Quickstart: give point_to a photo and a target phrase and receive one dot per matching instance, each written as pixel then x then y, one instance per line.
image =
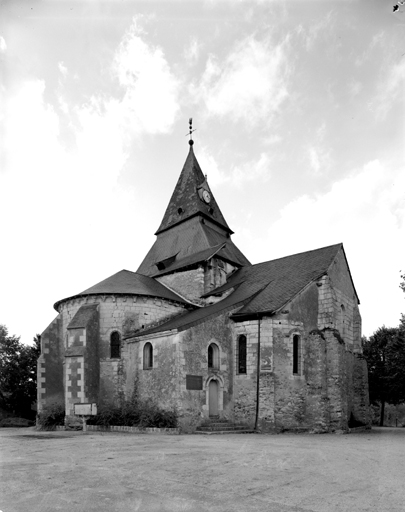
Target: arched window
pixel 242 354
pixel 296 354
pixel 115 345
pixel 213 356
pixel 147 356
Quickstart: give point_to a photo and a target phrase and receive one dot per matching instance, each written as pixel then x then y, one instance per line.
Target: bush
pixel 52 415
pixel 134 414
pixel 15 422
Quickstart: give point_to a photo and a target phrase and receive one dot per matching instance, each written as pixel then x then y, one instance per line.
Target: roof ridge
pixel 340 244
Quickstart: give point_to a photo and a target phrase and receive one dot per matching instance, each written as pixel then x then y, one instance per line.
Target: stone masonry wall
pixel 194 361
pixel 116 313
pixel 50 365
pixel 188 284
pixel 176 356
pixel 245 385
pixel 330 384
pixel 159 383
pixel 341 302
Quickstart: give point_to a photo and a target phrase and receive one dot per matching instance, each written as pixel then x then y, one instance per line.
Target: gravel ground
pixel 50 471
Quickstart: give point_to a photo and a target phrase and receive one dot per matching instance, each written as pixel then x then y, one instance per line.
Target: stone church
pixel 199 329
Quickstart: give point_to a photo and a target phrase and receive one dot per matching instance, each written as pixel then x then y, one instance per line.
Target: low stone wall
pixel 134 430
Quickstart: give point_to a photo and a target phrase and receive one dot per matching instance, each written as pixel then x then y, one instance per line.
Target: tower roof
pixel 188 201
pixel 193 227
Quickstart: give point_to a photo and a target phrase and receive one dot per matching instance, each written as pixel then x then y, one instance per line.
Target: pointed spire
pixel 192 196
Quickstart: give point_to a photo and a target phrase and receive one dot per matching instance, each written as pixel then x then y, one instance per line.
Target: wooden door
pixel 213 398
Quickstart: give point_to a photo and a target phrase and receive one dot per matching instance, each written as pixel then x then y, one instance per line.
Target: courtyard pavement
pixel 114 472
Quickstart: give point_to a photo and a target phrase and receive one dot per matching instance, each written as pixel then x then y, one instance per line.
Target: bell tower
pixel 193 252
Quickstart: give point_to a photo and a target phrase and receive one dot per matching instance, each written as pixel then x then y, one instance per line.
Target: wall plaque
pixel 194 382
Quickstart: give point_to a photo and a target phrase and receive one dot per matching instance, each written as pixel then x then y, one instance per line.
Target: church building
pixel 199 329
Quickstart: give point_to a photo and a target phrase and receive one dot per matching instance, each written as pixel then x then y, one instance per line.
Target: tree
pixel 18 373
pixel 385 355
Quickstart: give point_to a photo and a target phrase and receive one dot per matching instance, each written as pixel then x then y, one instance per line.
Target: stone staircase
pixel 216 425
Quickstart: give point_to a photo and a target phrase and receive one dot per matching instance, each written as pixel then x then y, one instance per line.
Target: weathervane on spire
pixel 190 131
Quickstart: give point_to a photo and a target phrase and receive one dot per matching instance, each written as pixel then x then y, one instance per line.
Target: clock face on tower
pixel 206 196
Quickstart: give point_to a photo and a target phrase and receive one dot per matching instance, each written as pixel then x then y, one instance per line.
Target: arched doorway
pixel 213 398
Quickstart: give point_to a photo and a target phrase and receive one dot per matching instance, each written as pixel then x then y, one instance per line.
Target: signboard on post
pixel 85 410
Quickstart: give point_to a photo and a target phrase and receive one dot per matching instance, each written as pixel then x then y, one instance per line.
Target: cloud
pixel 319 159
pixel 366 212
pixel 377 40
pixel 55 212
pixel 355 87
pixel 319 156
pixel 192 52
pixel 210 167
pixel 391 90
pixel 151 89
pixel 62 69
pixel 257 170
pixel 272 139
pixel 3 45
pixel 315 30
pixel 250 84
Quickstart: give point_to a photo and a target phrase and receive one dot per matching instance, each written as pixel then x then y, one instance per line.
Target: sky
pixel 298 108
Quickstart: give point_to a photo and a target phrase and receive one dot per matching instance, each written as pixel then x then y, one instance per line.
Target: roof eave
pixel 242 317
pixel 198 213
pixel 121 294
pixel 190 266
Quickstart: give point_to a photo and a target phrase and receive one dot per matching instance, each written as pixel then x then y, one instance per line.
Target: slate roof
pixel 187 240
pixel 258 289
pixel 126 282
pixel 190 228
pixel 225 250
pixel 186 197
pixel 285 278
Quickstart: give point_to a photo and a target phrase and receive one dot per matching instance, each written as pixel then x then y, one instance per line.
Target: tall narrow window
pixel 213 356
pixel 242 354
pixel 296 354
pixel 115 345
pixel 342 322
pixel 147 356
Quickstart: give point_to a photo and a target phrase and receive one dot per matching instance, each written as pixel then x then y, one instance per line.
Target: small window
pixel 296 354
pixel 242 354
pixel 342 322
pixel 115 345
pixel 147 356
pixel 213 356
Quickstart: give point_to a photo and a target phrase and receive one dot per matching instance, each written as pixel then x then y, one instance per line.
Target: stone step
pixel 216 432
pixel 216 420
pixel 221 427
pixel 228 424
